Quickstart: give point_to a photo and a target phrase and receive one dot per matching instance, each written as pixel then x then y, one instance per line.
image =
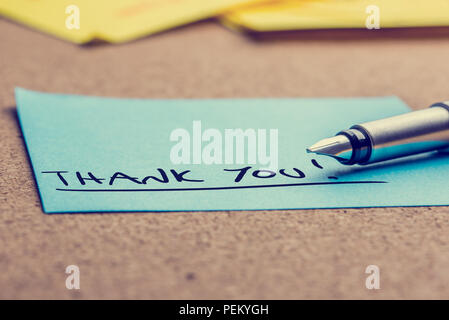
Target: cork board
pixel 291 254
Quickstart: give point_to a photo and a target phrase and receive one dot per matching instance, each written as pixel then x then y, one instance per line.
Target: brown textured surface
pixel 273 254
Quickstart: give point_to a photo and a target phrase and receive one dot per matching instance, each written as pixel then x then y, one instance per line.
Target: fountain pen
pixel 411 133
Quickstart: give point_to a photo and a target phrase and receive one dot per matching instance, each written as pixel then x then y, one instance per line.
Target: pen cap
pixel 407 134
pixel 444 104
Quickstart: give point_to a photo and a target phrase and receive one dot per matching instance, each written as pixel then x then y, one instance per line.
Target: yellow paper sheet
pixel 112 20
pixel 328 14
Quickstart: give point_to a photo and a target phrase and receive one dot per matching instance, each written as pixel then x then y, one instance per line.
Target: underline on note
pixel 225 188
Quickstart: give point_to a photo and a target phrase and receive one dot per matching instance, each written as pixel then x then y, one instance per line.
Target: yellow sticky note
pixel 328 14
pixel 111 20
pixel 130 19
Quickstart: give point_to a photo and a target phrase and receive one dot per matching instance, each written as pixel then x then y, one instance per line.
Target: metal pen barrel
pixel 411 133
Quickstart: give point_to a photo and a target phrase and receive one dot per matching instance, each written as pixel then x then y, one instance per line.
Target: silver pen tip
pixel 338 147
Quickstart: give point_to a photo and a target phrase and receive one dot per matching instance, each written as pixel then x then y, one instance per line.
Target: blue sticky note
pixel 92 154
